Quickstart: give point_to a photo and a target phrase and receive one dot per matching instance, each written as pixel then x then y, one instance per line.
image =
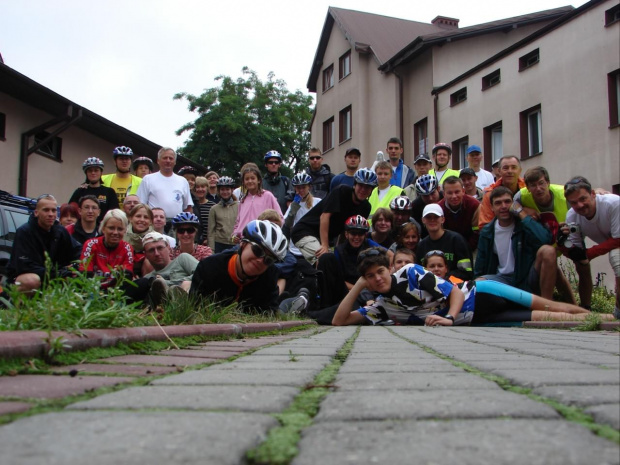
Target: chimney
pixel 445 23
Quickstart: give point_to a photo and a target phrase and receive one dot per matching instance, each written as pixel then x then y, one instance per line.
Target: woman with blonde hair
pixel 140 224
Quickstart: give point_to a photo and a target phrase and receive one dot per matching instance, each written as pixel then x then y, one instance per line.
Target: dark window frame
pixel 328 134
pixel 613 97
pixel 422 124
pixel 491 79
pixel 529 59
pixel 2 126
pixel 328 78
pixel 456 160
pixel 52 150
pixel 458 97
pixel 487 132
pixel 341 62
pixel 524 129
pixel 342 124
pixel 612 16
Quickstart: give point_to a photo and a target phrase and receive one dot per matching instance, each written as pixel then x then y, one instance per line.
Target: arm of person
pixel 324 233
pixel 344 314
pixel 455 302
pixel 603 248
pixel 539 235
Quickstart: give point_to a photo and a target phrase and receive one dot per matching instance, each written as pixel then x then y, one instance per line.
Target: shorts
pixel 532 282
pixel 308 246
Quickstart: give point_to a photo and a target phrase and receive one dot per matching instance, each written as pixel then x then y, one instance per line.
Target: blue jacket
pixel 528 236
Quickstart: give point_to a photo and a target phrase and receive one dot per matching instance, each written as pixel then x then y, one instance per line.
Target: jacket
pixel 321 180
pixel 528 236
pixel 486 212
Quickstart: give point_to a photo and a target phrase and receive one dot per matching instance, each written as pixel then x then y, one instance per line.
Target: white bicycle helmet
pixel 426 184
pixel 122 151
pixel 269 235
pixel 91 162
pixel 301 179
pixel 365 176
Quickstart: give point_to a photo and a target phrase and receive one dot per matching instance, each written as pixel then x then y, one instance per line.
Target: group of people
pixel 386 244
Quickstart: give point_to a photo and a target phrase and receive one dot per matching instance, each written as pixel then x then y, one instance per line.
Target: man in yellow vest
pixel 540 196
pixel 441 158
pixel 123 182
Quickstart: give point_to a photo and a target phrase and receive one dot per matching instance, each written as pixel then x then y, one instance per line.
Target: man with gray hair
pixel 170 278
pixel 165 189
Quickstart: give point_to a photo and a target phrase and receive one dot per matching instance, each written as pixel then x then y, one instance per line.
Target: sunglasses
pixel 368 253
pixel 314 158
pixel 434 253
pixel 273 162
pixel 577 180
pixel 259 252
pixel 186 231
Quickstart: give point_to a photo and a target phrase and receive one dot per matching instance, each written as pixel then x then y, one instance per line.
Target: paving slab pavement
pixel 403 395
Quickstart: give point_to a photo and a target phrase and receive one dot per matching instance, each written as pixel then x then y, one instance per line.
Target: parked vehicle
pixel 14 211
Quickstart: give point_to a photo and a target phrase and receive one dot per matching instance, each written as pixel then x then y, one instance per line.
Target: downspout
pixel 70 119
pixel 401 111
pixel 436 117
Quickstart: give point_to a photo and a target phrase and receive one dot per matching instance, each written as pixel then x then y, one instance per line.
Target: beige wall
pixel 46 176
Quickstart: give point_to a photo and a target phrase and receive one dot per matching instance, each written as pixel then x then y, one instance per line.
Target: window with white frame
pixel 346 125
pixel 493 143
pixel 328 78
pixel 459 152
pixel 531 132
pixel 344 65
pixel 328 134
pixel 420 136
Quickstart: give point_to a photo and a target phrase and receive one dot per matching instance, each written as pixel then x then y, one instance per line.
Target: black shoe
pixel 159 292
pixel 295 305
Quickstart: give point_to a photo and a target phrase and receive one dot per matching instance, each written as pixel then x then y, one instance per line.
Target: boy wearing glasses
pixel 245 274
pixel 596 216
pixel 320 174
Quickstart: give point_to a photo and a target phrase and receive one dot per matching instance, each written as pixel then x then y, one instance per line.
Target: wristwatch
pixel 449 317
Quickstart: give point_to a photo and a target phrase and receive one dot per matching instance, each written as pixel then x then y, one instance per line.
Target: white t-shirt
pixel 485 179
pixel 382 192
pixel 171 193
pixel 303 209
pixel 604 225
pixel 503 248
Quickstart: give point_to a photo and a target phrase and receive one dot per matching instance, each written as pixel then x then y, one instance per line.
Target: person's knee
pixel 28 282
pixel 546 255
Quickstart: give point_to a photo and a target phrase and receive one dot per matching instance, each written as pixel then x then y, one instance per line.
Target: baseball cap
pixel 432 209
pixel 153 236
pixel 422 157
pixel 353 150
pixel 468 171
pixel 495 163
pixel 473 148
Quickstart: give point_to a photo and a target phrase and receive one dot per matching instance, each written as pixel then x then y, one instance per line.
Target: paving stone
pixel 122 369
pixel 9 407
pixel 533 377
pixel 199 353
pixel 540 364
pixel 581 396
pixel 411 381
pixel 265 399
pixel 458 442
pixel 133 438
pixel 245 377
pixel 163 360
pixel 281 359
pixel 269 365
pixel 53 387
pixel 436 366
pixel 448 404
pixel 297 350
pixel 607 414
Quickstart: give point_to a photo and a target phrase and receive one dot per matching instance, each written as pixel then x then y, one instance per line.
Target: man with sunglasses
pixel 320 174
pixel 245 274
pixel 274 182
pixel 597 217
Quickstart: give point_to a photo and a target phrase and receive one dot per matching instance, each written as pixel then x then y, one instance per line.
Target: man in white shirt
pixel 474 160
pixel 596 216
pixel 165 189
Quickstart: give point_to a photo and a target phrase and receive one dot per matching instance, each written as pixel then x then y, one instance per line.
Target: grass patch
pixel 280 447
pixel 570 413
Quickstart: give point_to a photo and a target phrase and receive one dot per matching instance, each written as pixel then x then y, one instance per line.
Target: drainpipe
pixel 70 119
pixel 436 117
pixel 401 118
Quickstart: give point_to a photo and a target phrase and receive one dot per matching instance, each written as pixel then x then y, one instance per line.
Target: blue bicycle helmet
pixel 273 154
pixel 225 181
pixel 187 170
pixel 426 184
pixel 401 203
pixel 301 179
pixel 365 176
pixel 356 222
pixel 185 218
pixel 122 151
pixel 268 235
pixel 91 162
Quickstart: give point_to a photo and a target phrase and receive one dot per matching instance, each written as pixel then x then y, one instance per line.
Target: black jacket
pixel 321 180
pixel 30 244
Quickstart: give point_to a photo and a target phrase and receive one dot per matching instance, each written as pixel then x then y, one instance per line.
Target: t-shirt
pixel 503 248
pixel 303 209
pixel 341 179
pixel 106 196
pixel 171 193
pixel 456 251
pixel 102 261
pixel 485 178
pixel 178 270
pixel 605 224
pixel 339 202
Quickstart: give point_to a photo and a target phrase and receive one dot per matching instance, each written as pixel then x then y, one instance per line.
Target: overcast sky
pixel 126 59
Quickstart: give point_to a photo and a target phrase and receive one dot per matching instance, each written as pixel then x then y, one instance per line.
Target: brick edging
pixel 33 344
pixel 604 326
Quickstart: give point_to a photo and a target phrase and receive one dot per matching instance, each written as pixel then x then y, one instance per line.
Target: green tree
pixel 241 120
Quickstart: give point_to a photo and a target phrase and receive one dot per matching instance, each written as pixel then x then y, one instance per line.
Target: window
pixel 491 80
pixel 493 146
pixel 344 65
pixel 531 132
pixel 459 153
pixel 52 148
pixel 328 78
pixel 345 124
pixel 529 60
pixel 458 97
pixel 613 94
pixel 420 137
pixel 2 126
pixel 328 134
pixel 612 15
pixel 14 219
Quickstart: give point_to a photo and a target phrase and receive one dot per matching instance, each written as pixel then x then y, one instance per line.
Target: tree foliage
pixel 240 120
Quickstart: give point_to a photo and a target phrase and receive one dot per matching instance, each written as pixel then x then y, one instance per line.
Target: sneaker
pixel 176 292
pixel 158 293
pixel 295 305
pixel 617 313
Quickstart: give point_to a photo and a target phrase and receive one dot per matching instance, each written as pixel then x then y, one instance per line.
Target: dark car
pixel 14 211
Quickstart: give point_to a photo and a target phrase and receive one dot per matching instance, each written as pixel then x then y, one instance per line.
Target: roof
pixel 24 89
pixel 421 43
pixel 383 36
